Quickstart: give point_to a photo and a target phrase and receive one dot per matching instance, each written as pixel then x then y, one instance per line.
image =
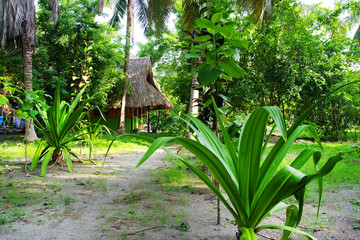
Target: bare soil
pixel 123 203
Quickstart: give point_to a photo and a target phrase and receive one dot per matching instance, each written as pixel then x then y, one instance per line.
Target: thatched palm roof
pixel 144 92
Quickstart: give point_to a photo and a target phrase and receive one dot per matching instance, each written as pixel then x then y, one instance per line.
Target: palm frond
pixel 119 12
pixel 357 37
pixel 17 18
pixel 258 9
pixel 159 12
pixel 141 9
pixel 190 14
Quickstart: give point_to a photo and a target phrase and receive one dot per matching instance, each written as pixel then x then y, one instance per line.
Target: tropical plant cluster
pixel 289 60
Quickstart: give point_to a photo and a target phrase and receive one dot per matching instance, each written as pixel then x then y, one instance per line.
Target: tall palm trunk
pixel 194 96
pixel 194 100
pixel 30 133
pixel 129 23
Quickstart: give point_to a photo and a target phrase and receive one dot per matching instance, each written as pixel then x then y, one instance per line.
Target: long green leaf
pixel 46 161
pixel 283 185
pixel 308 236
pixel 67 159
pixel 292 213
pixel 37 155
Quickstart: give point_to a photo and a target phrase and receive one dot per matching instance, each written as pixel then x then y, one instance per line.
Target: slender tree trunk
pixel 216 126
pixel 126 66
pixel 194 99
pixel 194 96
pixel 30 134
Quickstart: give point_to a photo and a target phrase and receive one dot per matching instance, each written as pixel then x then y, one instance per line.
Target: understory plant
pixel 60 130
pixel 255 184
pixel 92 132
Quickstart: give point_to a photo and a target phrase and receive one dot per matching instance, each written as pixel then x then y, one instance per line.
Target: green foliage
pixel 59 129
pixel 292 61
pixel 77 51
pixel 255 184
pixel 217 44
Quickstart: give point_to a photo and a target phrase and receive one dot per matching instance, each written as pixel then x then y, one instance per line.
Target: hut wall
pixel 112 118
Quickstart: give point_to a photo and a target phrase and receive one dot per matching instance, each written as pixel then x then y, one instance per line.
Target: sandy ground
pixel 123 203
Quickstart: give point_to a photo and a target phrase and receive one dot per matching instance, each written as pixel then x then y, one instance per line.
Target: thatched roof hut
pixel 145 96
pixel 144 92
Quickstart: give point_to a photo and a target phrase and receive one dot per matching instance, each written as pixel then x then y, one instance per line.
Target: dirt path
pixel 123 203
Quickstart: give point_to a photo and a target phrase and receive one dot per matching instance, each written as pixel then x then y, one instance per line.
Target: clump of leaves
pixel 255 185
pixel 59 129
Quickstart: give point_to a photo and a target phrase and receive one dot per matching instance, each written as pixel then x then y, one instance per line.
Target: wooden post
pixel 148 119
pixel 131 119
pixel 158 113
pixel 25 157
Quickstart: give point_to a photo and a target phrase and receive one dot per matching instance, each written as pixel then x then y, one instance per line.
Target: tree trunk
pixel 126 66
pixel 216 127
pixel 194 96
pixel 194 100
pixel 30 134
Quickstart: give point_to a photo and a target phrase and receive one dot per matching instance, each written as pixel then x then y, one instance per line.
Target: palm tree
pixel 151 13
pixel 18 26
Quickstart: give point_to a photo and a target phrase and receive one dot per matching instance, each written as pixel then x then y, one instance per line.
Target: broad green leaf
pixel 208 75
pixel 226 32
pixel 211 31
pixel 231 68
pixel 190 55
pixel 211 58
pixel 204 45
pixel 236 55
pixel 227 52
pixel 33 113
pixel 204 23
pixel 202 38
pixel 240 43
pixel 216 17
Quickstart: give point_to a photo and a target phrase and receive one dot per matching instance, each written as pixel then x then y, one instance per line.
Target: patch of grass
pixel 356 214
pixel 67 199
pixel 355 201
pixel 122 143
pixel 11 149
pixel 98 182
pixel 180 220
pixel 175 176
pixel 16 194
pixel 11 216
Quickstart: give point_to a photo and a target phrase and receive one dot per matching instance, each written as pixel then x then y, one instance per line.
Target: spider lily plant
pixel 59 128
pixel 254 185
